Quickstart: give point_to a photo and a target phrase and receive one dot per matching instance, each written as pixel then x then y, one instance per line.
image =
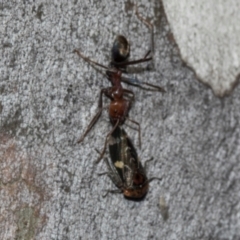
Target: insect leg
pixel 96 117
pixel 89 60
pixel 106 141
pixel 150 26
pixel 137 83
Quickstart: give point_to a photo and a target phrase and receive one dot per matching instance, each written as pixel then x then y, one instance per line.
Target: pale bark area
pixel 49 185
pixel 208 35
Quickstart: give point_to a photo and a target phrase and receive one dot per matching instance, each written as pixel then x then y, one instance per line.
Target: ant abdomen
pixel 120 49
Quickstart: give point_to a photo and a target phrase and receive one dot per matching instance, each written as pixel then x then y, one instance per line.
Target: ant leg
pixel 92 123
pixel 150 26
pixel 95 118
pixel 89 60
pixel 135 82
pixel 106 141
pixel 139 131
pixel 158 88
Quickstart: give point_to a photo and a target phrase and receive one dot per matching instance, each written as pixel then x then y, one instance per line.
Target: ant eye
pixel 120 49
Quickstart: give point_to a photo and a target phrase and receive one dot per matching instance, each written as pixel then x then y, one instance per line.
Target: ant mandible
pixel 121 100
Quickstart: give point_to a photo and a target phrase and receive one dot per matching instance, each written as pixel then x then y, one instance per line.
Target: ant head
pixel 120 49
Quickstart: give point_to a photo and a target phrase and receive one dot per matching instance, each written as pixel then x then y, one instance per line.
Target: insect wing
pixel 128 168
pixel 139 177
pixel 116 150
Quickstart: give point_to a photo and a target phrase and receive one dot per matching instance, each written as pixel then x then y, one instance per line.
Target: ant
pixel 121 98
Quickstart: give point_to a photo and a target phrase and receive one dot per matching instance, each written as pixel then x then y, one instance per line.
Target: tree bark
pixel 49 184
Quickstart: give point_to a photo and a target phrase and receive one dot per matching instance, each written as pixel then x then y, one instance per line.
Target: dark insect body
pixel 121 98
pixel 125 168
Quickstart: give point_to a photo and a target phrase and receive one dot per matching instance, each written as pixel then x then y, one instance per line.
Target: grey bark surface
pixel 208 37
pixel 49 185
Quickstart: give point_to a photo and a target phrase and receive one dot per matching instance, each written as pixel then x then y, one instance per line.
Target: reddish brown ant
pixel 120 97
